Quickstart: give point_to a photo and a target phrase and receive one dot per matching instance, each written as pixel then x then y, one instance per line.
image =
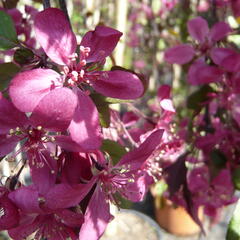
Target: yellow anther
pixel 11 131
pixel 44 138
pixel 41 199
pixel 131 180
pixel 18 129
pixel 39 128
pixel 238 20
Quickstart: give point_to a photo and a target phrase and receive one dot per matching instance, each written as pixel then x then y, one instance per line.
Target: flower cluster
pixel 71 155
pixel 212 131
pixel 50 114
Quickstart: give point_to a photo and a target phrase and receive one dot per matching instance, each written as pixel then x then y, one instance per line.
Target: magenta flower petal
pixel 201 73
pixel 55 110
pixel 27 88
pixel 43 177
pixel 76 168
pixel 219 31
pixel 163 92
pixel 235 7
pixel 223 185
pixel 10 117
pixel 85 128
pixel 198 179
pixel 180 54
pixel 67 143
pixel 9 214
pixel 51 228
pixel 231 63
pixel 198 28
pixel 26 198
pixel 101 42
pixel 7 144
pixel 167 105
pixel 139 155
pixel 96 218
pixel 70 218
pixel 130 118
pixel 16 15
pixel 55 35
pixel 219 54
pixel 67 195
pixel 29 225
pixel 136 190
pixel 119 84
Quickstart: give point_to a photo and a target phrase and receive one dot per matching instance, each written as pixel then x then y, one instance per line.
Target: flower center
pixel 79 72
pixel 34 138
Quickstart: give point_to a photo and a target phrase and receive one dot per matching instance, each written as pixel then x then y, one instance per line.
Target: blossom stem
pixel 140 114
pixel 63 7
pixel 46 4
pixel 214 11
pixel 133 143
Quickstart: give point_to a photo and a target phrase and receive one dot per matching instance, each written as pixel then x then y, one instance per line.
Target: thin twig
pixel 46 4
pixel 214 11
pixel 139 113
pixel 63 7
pixel 124 129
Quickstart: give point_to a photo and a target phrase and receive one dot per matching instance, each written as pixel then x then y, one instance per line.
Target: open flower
pixel 9 215
pixel 200 72
pixel 79 73
pixel 205 38
pixel 48 116
pixel 38 210
pixel 125 178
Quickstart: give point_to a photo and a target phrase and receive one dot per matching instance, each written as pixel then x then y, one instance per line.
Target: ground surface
pixel 127 226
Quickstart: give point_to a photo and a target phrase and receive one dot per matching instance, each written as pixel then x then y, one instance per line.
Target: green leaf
pixel 217 163
pixel 8 35
pixel 23 56
pixel 218 158
pixel 109 100
pixel 7 72
pixel 236 178
pixel 104 115
pixel 114 149
pixel 233 232
pixel 103 109
pixel 102 103
pixel 122 202
pixel 160 187
pixel 195 100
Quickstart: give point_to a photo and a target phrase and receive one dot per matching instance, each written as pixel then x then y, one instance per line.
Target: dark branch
pixel 63 7
pixel 46 4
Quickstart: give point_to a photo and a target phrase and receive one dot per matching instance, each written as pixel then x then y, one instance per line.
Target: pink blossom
pixel 205 37
pixel 38 209
pixel 201 73
pixel 9 215
pixel 61 46
pixel 125 178
pixel 16 126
